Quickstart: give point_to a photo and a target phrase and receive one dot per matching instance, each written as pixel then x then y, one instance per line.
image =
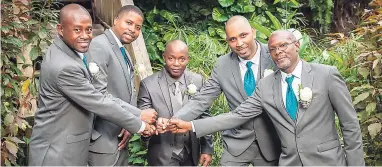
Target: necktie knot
pixel 249 64
pixel 289 80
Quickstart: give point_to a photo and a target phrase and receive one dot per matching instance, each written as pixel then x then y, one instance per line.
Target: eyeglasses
pixel 282 47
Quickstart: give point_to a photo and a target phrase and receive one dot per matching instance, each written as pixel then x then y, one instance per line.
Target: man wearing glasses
pixel 302 100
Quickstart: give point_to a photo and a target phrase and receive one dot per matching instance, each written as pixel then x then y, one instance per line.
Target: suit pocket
pixel 328 145
pixel 95 135
pixel 77 137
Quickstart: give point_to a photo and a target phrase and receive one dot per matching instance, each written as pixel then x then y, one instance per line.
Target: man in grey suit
pixel 301 100
pixel 176 87
pixel 254 141
pixel 115 77
pixel 67 99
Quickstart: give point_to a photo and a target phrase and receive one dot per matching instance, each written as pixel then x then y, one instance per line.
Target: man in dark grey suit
pixel 254 141
pixel 115 77
pixel 166 92
pixel 67 99
pixel 302 100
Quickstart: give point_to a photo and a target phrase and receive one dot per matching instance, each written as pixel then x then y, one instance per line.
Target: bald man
pixel 167 91
pixel 236 75
pixel 67 99
pixel 302 100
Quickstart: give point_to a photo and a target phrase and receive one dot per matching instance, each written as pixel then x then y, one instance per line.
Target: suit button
pixel 184 135
pixel 171 145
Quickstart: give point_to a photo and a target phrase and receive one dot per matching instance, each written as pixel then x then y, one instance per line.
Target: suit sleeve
pixel 206 142
pixel 72 82
pixel 202 100
pixel 341 101
pixel 247 110
pixel 144 102
pixel 97 54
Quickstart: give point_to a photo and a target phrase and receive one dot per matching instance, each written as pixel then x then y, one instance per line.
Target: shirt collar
pixel 80 54
pixel 255 59
pixel 296 72
pixel 116 39
pixel 171 80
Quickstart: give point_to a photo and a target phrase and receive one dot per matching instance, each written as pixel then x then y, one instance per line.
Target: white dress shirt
pixel 296 81
pixel 255 66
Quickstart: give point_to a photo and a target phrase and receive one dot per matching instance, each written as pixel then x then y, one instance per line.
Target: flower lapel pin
pixel 305 96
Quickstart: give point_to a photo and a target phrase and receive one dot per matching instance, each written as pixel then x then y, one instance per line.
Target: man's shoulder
pixel 152 78
pixel 100 39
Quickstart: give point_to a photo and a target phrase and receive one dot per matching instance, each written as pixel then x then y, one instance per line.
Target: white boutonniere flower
pixel 141 68
pixel 267 72
pixel 191 89
pixel 94 69
pixel 305 96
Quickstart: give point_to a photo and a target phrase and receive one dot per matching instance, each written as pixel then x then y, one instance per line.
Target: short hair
pixel 70 7
pixel 130 8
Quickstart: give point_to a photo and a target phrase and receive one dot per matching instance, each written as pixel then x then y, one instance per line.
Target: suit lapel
pixel 119 56
pixel 306 81
pixel 236 74
pixel 277 97
pixel 164 89
pixel 68 51
pixel 265 62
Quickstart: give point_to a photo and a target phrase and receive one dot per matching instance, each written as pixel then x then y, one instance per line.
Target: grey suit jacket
pixel 113 79
pixel 67 99
pixel 313 139
pixel 226 78
pixel 154 93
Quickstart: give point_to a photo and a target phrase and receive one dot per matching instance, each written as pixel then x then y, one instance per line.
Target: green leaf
pixel 261 28
pixel 33 54
pixel 360 98
pixel 364 72
pixel 218 15
pixel 11 147
pixel 42 33
pixel 325 55
pixel 141 152
pixel 276 1
pixel 305 41
pixel 221 33
pixel 30 22
pixel 9 118
pixel 14 41
pixel 135 138
pixel 275 21
pixel 226 3
pixel 14 139
pixel 205 12
pixel 371 107
pixel 249 9
pixel 374 129
pixel 211 31
pixel 160 46
pixel 138 160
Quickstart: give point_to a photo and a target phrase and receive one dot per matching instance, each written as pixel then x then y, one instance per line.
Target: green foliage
pixel 19 32
pixel 322 11
pixel 137 152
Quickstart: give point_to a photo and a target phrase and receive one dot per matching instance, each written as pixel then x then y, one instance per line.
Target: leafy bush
pixel 20 34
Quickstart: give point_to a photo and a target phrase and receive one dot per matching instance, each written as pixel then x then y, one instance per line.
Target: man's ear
pixel 60 29
pixel 115 20
pixel 254 33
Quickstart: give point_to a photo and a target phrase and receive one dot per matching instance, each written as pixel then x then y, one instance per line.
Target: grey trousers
pixel 119 158
pixel 250 156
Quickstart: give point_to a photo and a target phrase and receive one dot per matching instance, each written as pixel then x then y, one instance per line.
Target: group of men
pixel 88 105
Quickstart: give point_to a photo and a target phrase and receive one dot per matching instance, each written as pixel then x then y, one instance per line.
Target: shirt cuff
pixel 143 127
pixel 193 127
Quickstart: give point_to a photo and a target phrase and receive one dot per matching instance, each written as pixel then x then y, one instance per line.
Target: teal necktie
pixel 291 100
pixel 249 80
pixel 85 61
pixel 126 59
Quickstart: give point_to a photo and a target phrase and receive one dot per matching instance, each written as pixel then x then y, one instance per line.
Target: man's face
pixel 240 38
pixel 76 31
pixel 284 52
pixel 127 27
pixel 176 60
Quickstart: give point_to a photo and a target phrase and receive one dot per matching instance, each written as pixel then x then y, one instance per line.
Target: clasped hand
pixel 173 125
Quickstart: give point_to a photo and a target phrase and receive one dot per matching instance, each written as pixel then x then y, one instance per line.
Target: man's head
pixel 241 37
pixel 128 23
pixel 75 27
pixel 283 48
pixel 176 58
